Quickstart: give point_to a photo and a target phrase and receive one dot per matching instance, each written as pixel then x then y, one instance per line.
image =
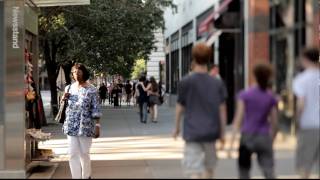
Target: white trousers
pixel 79 160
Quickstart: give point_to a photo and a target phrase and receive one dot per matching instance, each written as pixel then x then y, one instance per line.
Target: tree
pixel 107 36
pixel 139 67
pixel 52 39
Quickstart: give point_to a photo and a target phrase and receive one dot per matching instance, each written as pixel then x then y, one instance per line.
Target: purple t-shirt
pixel 258 105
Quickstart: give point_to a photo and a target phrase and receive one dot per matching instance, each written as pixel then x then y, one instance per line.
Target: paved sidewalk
pixel 129 149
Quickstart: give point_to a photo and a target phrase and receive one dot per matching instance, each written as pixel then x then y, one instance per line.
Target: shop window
pixel 167 73
pixel 229 18
pixel 200 19
pixel 174 62
pixel 174 71
pixel 186 59
pixel 186 44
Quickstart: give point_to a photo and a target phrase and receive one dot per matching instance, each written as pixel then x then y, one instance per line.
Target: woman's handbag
pixel 61 116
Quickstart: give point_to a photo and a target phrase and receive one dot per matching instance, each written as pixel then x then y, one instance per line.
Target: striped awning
pixel 213 37
pixel 48 3
pixel 205 24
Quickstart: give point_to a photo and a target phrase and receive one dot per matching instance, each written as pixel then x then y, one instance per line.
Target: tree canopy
pixel 107 36
pixel 138 68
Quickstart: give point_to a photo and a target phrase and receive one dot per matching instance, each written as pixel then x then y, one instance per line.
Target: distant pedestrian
pixel 103 90
pixel 162 92
pixel 306 87
pixel 153 91
pixel 135 93
pixel 110 88
pixel 128 89
pixel 201 99
pixel 215 72
pixel 82 121
pixel 142 100
pixel 120 91
pixel 256 117
pixel 115 95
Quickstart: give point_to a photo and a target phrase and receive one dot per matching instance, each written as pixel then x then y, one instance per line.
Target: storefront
pixel 21 112
pixel 174 63
pixel 223 30
pixel 243 33
pixel 264 31
pixel 291 30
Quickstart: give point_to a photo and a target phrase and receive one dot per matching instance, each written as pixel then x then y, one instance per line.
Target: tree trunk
pixel 67 70
pixel 51 66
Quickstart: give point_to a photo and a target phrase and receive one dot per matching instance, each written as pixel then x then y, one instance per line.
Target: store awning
pixel 213 37
pixel 48 3
pixel 204 26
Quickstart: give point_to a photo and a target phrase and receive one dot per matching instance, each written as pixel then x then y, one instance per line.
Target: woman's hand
pixel 176 133
pixel 65 96
pixel 97 131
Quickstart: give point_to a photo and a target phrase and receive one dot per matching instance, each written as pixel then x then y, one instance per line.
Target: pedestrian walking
pixel 215 72
pixel 142 100
pixel 256 117
pixel 110 88
pixel 135 93
pixel 82 121
pixel 120 91
pixel 306 87
pixel 162 92
pixel 103 93
pixel 201 99
pixel 153 92
pixel 115 95
pixel 128 89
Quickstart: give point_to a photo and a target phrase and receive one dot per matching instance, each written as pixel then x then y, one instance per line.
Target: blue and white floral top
pixel 83 106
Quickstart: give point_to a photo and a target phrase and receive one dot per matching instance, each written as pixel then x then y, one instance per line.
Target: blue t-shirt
pixel 201 95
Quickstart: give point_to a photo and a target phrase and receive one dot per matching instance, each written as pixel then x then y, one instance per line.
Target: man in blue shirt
pixel 201 99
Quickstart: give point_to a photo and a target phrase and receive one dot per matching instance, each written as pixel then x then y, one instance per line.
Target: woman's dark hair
pixel 142 79
pixel 263 73
pixel 311 54
pixel 79 66
pixel 154 84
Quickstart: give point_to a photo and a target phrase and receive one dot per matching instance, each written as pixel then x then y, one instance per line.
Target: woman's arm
pixel 237 122
pixel 274 122
pixel 96 114
pixel 145 88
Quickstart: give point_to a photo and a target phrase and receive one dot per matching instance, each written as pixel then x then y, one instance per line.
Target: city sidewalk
pixel 129 149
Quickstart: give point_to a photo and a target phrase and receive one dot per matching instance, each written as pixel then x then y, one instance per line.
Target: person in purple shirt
pixel 256 118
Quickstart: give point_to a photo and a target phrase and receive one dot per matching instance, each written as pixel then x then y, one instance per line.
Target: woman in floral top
pixel 82 121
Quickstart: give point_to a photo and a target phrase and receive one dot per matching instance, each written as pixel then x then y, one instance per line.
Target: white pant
pixel 79 161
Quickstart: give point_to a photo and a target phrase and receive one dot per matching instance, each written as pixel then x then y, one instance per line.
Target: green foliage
pixel 107 35
pixel 138 68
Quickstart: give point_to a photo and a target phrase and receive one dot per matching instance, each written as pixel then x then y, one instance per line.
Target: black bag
pixel 161 99
pixel 61 116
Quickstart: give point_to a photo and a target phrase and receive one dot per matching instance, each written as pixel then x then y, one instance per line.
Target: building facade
pixel 191 24
pixel 157 57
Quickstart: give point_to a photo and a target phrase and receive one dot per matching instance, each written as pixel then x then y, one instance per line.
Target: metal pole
pixel 2 75
pixel 246 43
pixel 14 116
